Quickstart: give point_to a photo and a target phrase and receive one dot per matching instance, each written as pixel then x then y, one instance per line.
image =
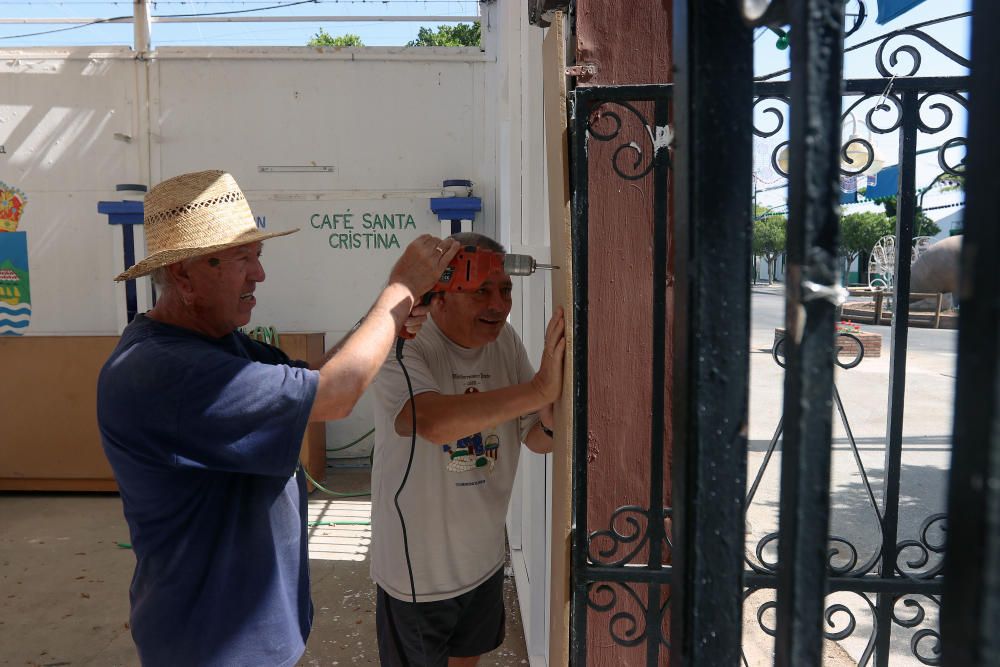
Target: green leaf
pixel 463 34
pixel 323 38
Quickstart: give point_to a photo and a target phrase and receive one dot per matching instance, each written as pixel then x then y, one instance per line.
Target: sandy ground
pixel 64 580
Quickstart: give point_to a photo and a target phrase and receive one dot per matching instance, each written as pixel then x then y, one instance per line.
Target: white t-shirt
pixel 455 500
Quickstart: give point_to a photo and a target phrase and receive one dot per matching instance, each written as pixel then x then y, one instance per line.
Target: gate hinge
pixel 584 69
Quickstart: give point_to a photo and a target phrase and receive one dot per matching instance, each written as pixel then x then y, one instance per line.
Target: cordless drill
pixel 468 270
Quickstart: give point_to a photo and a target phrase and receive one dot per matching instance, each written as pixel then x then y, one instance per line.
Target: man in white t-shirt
pixel 477 399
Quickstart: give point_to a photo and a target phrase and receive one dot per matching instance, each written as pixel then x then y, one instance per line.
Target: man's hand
pixel 548 379
pixel 417 317
pixel 547 416
pixel 422 264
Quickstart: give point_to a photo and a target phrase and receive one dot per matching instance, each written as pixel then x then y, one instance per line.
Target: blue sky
pixel 767 57
pixel 374 33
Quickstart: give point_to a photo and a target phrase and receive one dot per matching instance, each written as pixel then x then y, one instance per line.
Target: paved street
pixel 927 446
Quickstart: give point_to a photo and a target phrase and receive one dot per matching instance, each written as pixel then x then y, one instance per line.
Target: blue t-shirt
pixel 203 435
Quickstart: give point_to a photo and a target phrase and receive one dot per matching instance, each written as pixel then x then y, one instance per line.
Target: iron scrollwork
pixel 631 539
pixel 630 634
pixel 658 138
pixel 888 102
pixel 841 621
pixel 942 103
pixel 626 628
pixel 884 117
pixel 889 58
pixel 920 563
pixel 855 13
pixel 884 64
pixel 925 644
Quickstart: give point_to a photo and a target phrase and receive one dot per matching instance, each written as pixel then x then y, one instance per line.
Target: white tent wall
pixel 523 223
pixel 391 124
pixel 75 124
pixel 66 122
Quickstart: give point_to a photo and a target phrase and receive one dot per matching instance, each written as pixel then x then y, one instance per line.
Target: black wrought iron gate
pixel 684 572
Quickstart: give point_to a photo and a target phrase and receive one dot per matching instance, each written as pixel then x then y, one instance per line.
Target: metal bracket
pixel 584 69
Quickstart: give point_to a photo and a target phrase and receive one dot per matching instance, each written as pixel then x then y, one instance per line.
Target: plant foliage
pixel 323 38
pixel 462 34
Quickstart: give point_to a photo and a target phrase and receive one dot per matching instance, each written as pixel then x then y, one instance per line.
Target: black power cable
pixel 400 342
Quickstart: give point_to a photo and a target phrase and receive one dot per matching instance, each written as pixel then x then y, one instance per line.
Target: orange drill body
pixel 468 270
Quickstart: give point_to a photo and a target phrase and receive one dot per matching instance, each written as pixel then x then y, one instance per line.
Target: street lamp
pixel 857 152
pixel 783 160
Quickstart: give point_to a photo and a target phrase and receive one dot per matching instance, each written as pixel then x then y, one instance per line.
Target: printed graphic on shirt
pixel 479 450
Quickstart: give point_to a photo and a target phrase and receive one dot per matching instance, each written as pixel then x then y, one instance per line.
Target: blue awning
pixel 886 185
pixel 890 9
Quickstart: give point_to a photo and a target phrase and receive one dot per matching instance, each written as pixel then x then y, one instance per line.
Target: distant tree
pixel 923 226
pixel 859 232
pixel 769 237
pixel 323 38
pixel 463 34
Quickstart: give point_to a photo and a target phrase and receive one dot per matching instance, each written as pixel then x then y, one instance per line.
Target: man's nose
pixel 257 271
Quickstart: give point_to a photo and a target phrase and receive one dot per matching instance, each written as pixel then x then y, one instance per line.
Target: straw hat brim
pixel 173 255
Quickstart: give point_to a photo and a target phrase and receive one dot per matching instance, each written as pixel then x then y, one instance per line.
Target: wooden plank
pixel 48 418
pixel 557 163
pixel 309 347
pixel 50 439
pixel 48 484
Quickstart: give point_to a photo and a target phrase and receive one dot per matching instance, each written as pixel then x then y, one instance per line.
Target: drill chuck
pixel 522 265
pixel 518 265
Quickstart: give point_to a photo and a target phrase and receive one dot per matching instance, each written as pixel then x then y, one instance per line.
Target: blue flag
pixel 890 9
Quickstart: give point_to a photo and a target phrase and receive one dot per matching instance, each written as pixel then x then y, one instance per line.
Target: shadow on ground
pixel 65 569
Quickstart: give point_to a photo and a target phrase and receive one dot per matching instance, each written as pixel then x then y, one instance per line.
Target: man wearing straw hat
pixel 203 425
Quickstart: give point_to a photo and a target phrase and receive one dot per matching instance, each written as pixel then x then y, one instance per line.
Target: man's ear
pixel 181 278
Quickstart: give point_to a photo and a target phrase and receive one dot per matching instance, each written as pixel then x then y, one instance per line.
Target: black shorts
pixel 425 634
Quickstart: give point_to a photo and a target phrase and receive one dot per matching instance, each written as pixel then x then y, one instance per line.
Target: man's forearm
pixel 352 365
pixel 447 417
pixel 317 365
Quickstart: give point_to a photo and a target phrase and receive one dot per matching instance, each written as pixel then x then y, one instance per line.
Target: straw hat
pixel 193 215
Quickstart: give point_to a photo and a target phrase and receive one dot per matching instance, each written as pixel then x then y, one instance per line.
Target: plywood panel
pixel 48 416
pixel 49 438
pixel 309 347
pixel 557 161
